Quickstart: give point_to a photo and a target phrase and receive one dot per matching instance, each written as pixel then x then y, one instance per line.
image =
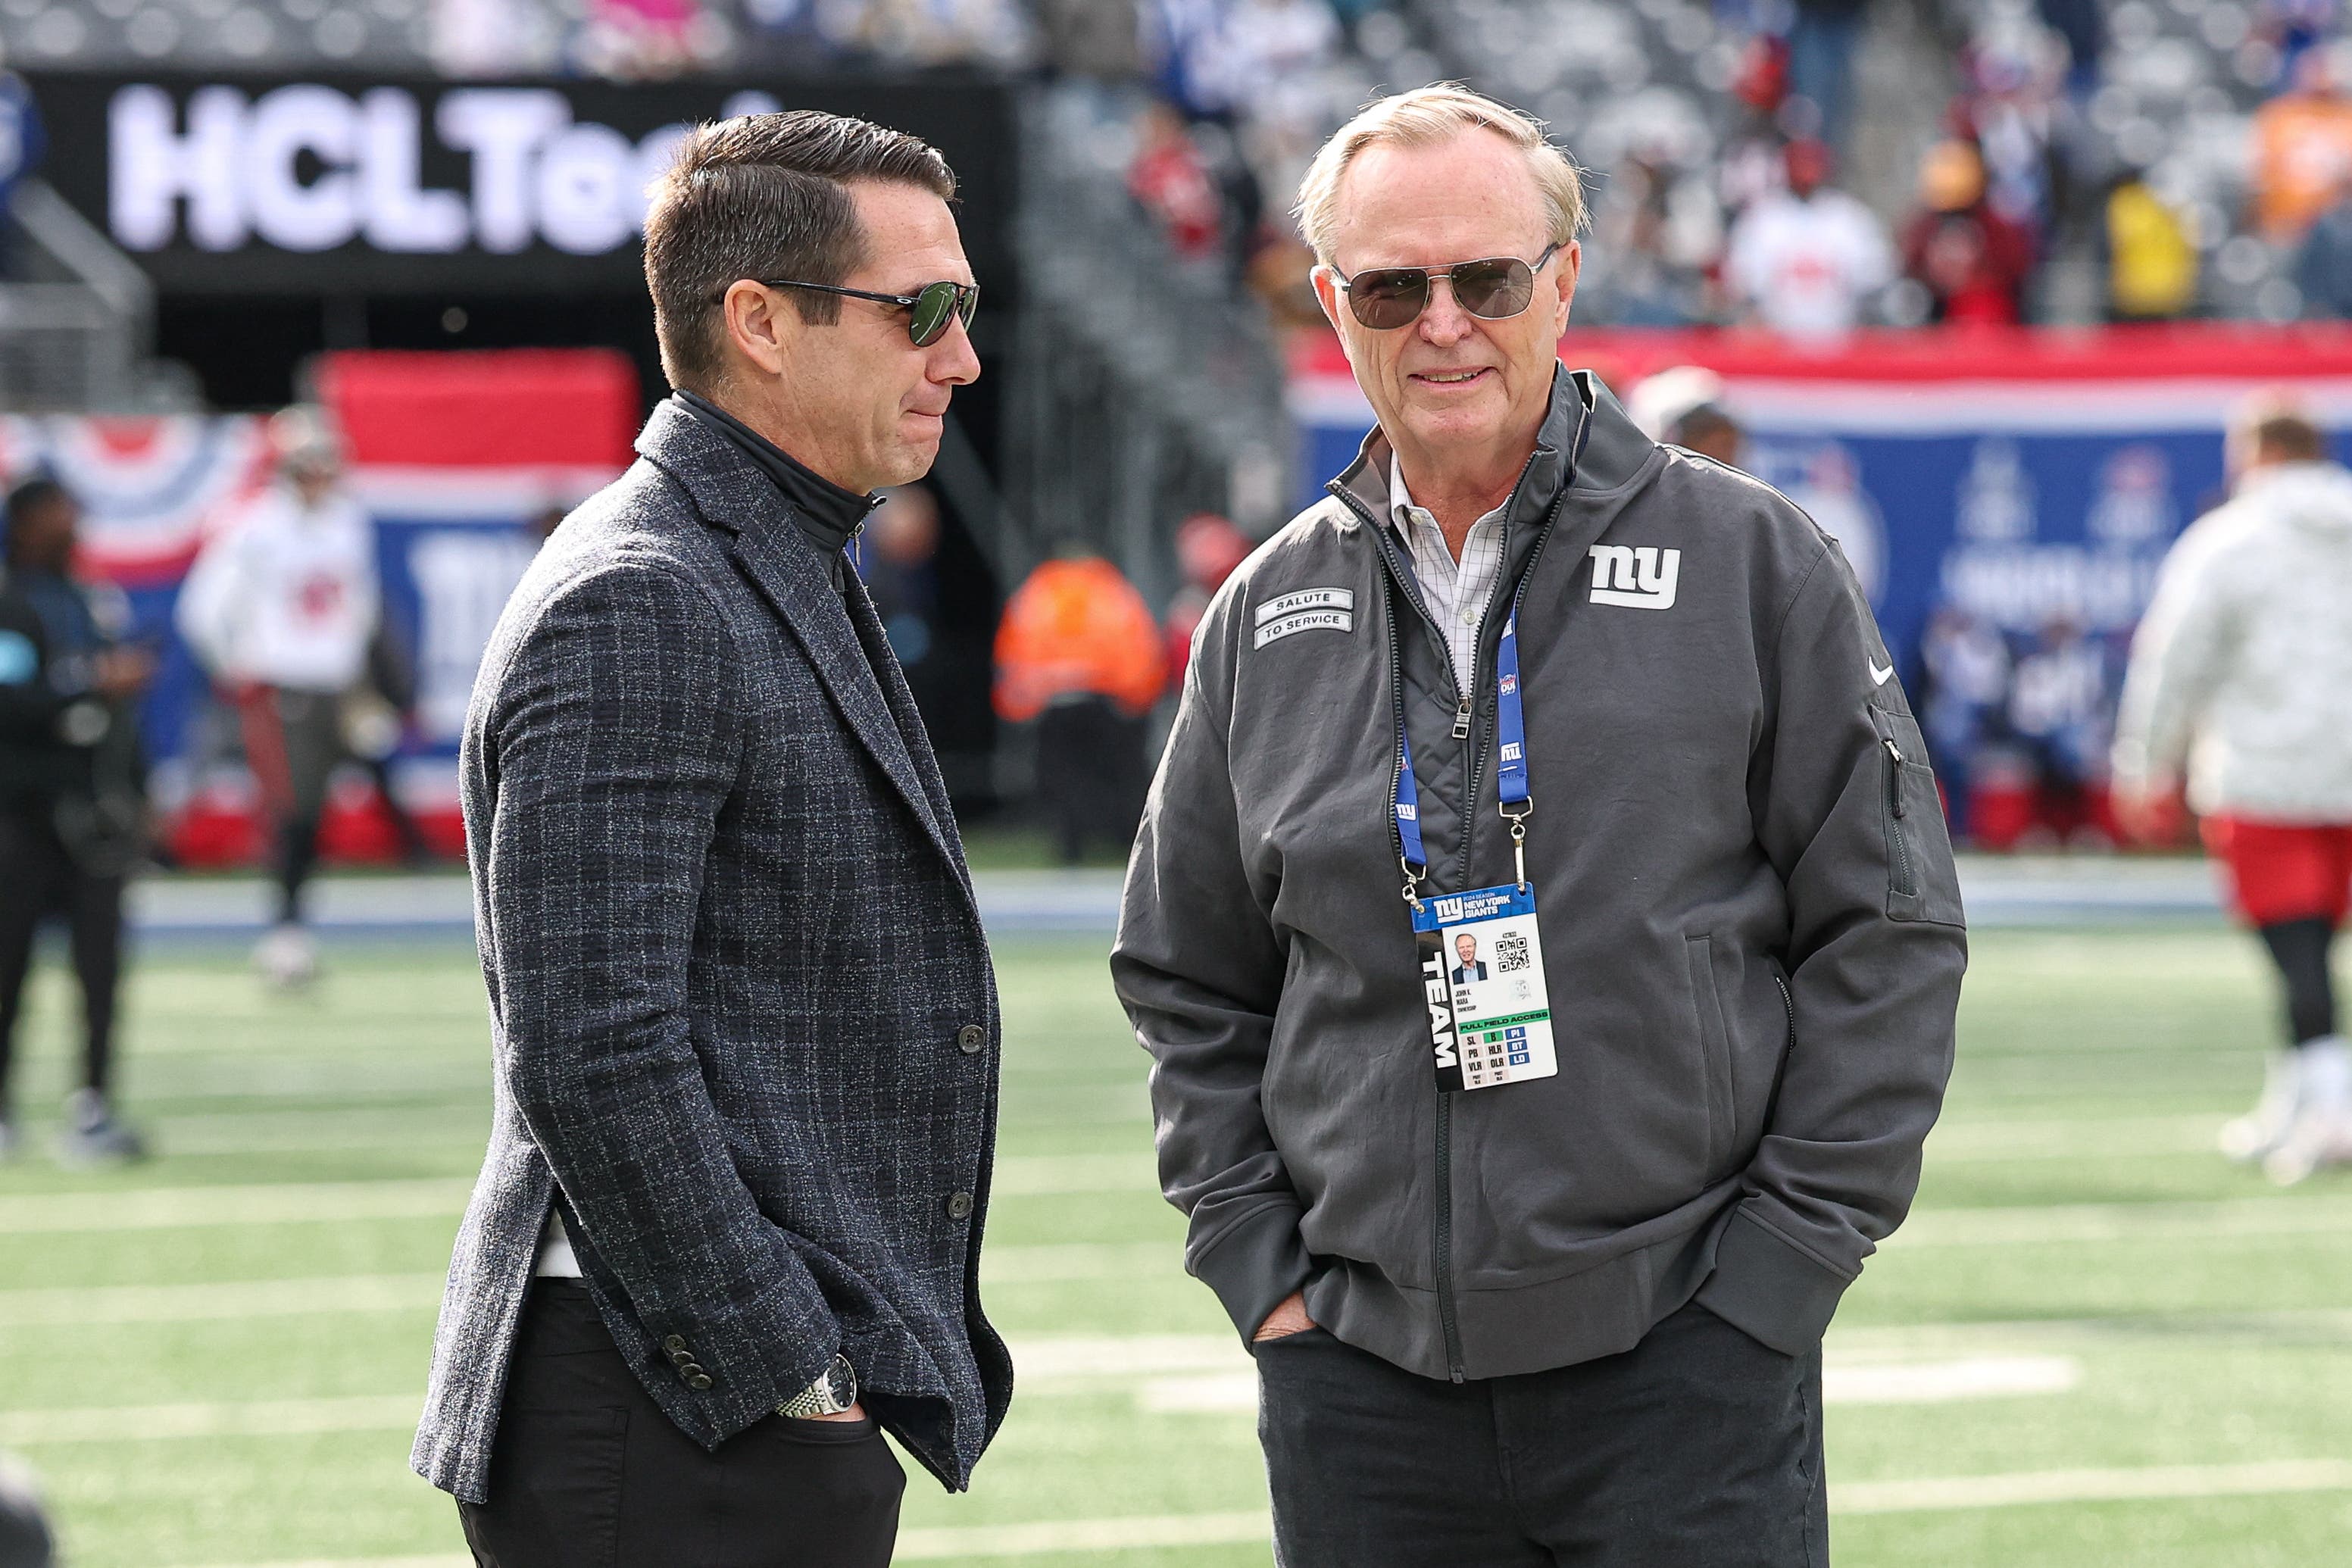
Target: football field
pixel 2095 1343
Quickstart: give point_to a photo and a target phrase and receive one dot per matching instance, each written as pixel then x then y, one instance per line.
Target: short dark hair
pixel 25 498
pixel 2288 435
pixel 764 196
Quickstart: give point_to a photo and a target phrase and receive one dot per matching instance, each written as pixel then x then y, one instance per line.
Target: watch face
pixel 842 1384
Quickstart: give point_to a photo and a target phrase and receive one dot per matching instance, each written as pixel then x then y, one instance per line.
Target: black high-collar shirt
pixel 829 515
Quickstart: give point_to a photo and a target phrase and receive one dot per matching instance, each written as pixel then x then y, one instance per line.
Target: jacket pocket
pixel 1921 884
pixel 1715 1052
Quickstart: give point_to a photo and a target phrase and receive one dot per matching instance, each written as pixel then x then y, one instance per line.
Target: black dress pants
pixel 587 1472
pixel 1698 1448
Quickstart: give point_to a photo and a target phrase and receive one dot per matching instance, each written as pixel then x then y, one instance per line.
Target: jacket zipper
pixel 1904 882
pixel 1788 1005
pixel 1464 716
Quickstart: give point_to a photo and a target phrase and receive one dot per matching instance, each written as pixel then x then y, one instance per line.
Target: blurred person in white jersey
pixel 2240 683
pixel 281 610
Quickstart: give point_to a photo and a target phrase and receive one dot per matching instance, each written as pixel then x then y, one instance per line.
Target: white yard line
pixel 226 1300
pixel 256 1418
pixel 2154 1483
pixel 275 1203
pixel 1971 1142
pixel 1248 1527
pixel 1038 1176
pixel 955 1545
pixel 1069 1261
pixel 2080 1223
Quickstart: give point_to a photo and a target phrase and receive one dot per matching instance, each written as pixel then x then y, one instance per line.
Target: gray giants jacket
pixel 1751 923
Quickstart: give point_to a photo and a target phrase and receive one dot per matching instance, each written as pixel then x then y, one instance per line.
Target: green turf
pixel 2208 1316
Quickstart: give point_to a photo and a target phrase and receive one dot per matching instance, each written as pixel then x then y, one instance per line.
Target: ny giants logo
pixel 1637 577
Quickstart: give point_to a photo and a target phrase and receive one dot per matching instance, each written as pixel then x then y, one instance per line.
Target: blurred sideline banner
pixel 343 182
pixel 2028 477
pixel 454 455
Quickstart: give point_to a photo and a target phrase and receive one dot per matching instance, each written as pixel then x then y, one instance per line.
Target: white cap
pixel 1663 401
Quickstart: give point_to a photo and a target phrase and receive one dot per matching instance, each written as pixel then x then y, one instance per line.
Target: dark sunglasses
pixel 928 309
pixel 1493 290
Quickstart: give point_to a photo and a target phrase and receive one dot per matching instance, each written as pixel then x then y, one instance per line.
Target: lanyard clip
pixel 1518 821
pixel 1411 884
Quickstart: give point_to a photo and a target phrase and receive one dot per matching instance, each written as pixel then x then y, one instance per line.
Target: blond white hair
pixel 1422 118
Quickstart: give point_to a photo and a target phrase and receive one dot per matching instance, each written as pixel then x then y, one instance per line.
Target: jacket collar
pixel 1552 465
pixel 840 629
pixel 828 514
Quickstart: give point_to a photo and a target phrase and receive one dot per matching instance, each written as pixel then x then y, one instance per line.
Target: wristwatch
pixel 834 1391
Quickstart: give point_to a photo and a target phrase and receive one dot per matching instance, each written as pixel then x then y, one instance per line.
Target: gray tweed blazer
pixel 741 1012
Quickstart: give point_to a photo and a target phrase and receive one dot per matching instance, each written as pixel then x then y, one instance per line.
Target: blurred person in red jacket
pixel 1973 261
pixel 1170 180
pixel 1208 549
pixel 1078 654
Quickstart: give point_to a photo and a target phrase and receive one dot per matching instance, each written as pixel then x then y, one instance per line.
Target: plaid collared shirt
pixel 1456 592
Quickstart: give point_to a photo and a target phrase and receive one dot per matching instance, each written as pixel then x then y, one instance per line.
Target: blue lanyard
pixel 1510 782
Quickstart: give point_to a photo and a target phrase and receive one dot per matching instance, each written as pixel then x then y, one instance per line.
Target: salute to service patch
pixel 1307 610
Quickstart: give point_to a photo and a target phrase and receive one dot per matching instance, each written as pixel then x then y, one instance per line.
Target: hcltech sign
pixel 342 185
pixel 308 168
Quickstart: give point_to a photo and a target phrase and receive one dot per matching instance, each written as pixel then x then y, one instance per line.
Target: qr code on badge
pixel 1510 954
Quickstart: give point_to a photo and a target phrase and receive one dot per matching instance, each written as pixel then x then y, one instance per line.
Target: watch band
pixel 834 1391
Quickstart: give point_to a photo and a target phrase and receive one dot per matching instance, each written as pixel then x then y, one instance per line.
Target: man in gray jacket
pixel 1536 1268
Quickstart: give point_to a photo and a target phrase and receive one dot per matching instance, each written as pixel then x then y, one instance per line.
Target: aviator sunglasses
pixel 1493 290
pixel 928 309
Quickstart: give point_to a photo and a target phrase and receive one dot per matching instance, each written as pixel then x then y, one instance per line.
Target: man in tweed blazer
pixel 744 1023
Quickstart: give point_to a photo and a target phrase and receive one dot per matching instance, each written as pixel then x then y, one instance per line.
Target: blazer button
pixel 681 1359
pixel 960 1206
pixel 700 1382
pixel 674 1344
pixel 972 1039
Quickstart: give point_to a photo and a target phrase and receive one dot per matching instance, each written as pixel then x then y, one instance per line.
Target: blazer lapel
pixel 908 718
pixel 788 572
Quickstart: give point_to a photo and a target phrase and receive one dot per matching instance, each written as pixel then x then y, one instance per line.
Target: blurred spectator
pixel 1656 232
pixel 1279 270
pixel 1170 182
pixel 2152 261
pixel 1685 406
pixel 1972 262
pixel 1963 699
pixel 22 142
pixel 2242 678
pixel 72 796
pixel 1808 260
pixel 2058 710
pixel 549 519
pixel 2010 112
pixel 2083 25
pixel 1078 654
pixel 2293 28
pixel 1208 549
pixel 280 609
pixel 376 721
pixel 2303 149
pixel 24 1538
pixel 1097 39
pixel 2323 268
pixel 488 37
pixel 898 555
pixel 642 40
pixel 1821 63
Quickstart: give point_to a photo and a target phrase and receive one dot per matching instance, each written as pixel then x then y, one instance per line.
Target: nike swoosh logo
pixel 1880 677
